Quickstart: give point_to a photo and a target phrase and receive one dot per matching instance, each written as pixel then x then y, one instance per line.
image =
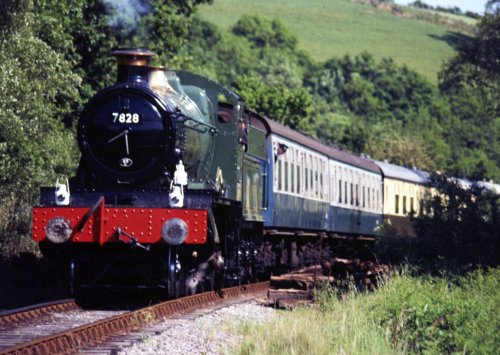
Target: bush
pixel 438 315
pixel 462 226
pixel 460 233
pixel 405 315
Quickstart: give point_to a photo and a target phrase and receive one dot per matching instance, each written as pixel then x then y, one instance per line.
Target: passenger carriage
pixel 405 190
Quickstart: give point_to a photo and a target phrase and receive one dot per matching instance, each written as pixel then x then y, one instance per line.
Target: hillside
pixel 338 27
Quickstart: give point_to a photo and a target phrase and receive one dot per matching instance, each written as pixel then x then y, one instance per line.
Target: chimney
pixel 133 65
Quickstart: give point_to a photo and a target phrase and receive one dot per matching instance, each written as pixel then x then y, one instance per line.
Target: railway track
pixel 25 314
pixel 28 324
pixel 69 329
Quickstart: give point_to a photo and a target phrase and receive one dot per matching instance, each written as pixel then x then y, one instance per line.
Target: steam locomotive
pixel 161 194
pixel 181 188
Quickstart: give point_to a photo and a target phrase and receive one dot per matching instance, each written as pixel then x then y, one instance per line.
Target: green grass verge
pixel 406 315
pixel 334 28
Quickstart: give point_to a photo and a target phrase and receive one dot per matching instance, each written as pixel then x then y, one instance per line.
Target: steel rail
pixel 74 340
pixel 18 315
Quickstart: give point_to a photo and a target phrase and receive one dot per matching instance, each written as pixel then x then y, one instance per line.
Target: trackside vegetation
pixel 407 314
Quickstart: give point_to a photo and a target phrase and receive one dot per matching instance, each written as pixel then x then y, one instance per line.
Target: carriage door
pixel 255 176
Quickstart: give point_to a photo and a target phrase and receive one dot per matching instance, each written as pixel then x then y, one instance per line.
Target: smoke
pixel 125 14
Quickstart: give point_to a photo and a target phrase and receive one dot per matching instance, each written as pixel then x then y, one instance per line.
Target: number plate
pixel 126 118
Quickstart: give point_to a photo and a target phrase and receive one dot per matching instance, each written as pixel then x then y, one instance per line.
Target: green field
pixel 337 27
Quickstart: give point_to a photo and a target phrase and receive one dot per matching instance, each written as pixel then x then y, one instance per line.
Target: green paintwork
pixel 197 140
pixel 226 156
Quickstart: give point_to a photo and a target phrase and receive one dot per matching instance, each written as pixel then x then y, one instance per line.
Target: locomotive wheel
pixel 173 286
pixel 72 278
pixel 173 274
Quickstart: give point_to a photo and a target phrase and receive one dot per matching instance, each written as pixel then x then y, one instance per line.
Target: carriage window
pixel 316 184
pixel 321 185
pixel 397 204
pixel 298 179
pixel 352 193
pixel 306 184
pixel 364 196
pixel 357 195
pixel 404 204
pixel 311 183
pixel 340 191
pixel 332 186
pixel 368 197
pixel 345 192
pixel 293 177
pixel 286 176
pixel 412 207
pixel 280 174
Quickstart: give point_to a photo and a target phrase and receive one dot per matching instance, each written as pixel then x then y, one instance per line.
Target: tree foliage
pixel 39 89
pixel 261 33
pixel 260 59
pixel 463 224
pixel 471 82
pixel 458 233
pixel 86 31
pixel 393 112
pixel 287 106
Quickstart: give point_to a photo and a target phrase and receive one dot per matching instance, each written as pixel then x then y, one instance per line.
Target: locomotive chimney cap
pixel 158 67
pixel 139 57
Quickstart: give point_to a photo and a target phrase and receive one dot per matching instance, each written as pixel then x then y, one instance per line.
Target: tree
pixel 291 108
pixel 458 233
pixel 264 33
pixel 471 82
pixel 86 31
pixel 463 225
pixel 346 131
pixel 492 6
pixel 476 63
pixel 392 111
pixel 38 87
pixel 166 27
pixel 260 60
pixel 80 31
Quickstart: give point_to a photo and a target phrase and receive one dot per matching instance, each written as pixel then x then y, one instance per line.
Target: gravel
pixel 212 333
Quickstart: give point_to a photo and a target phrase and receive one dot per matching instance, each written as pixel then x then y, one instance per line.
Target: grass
pixel 468 20
pixel 337 27
pixel 406 315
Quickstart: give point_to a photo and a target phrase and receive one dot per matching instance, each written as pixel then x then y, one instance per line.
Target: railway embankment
pixel 406 314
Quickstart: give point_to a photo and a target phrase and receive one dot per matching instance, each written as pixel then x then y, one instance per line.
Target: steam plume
pixel 125 14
